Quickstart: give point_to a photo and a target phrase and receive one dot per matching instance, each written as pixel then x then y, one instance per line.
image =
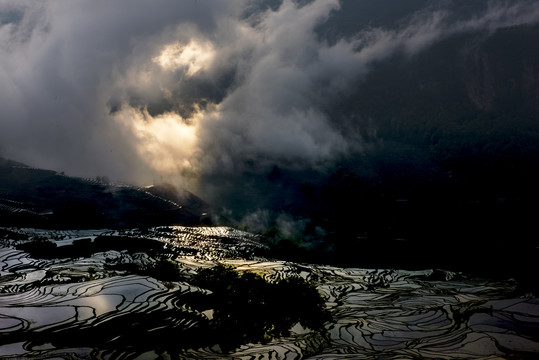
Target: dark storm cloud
pixel 276 113
pixel 130 89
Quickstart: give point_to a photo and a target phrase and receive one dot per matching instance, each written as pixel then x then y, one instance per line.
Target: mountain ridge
pixel 33 197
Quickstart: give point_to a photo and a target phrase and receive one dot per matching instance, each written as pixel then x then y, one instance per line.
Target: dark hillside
pixel 449 173
pixel 44 198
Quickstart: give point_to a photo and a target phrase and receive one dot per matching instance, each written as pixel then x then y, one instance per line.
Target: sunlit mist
pixel 193 56
pixel 165 142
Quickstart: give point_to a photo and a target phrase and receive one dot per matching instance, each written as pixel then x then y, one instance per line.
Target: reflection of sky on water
pixel 38 317
pixel 50 313
pixel 15 348
pixel 101 304
pixel 113 294
pixel 8 324
pixel 137 289
pixel 50 306
pixel 395 312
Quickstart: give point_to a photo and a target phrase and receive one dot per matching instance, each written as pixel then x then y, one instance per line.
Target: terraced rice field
pixel 84 308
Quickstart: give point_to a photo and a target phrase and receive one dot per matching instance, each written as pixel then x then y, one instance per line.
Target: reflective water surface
pixel 90 307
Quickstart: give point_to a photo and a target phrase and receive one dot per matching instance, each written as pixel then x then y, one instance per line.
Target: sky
pixel 184 90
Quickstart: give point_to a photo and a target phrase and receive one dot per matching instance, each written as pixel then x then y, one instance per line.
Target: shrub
pixel 39 248
pixel 247 308
pixel 165 270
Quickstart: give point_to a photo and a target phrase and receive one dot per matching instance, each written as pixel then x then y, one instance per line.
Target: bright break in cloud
pixel 137 90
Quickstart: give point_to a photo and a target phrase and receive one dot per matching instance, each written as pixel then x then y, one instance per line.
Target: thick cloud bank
pixel 136 90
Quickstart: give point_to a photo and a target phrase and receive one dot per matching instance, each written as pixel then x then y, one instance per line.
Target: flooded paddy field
pixel 101 302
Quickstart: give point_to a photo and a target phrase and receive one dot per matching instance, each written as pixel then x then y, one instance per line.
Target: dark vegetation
pixel 367 225
pixel 248 308
pixel 163 269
